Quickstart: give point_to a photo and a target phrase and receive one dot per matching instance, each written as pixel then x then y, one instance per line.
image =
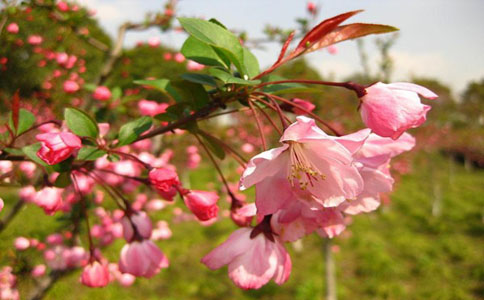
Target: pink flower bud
pixel 142 224
pixel 50 199
pixel 142 259
pixel 167 56
pixel 311 7
pixel 27 193
pixel 35 40
pixel 70 86
pixel 151 108
pixel 55 239
pixel 61 58
pixel 1 204
pixel 56 147
pixel 304 104
pixel 62 6
pixel 21 243
pixel 194 66
pixel 165 181
pixel 179 58
pixel 95 274
pixel 12 28
pixel 38 270
pixel 390 109
pixel 154 42
pixel 102 93
pixel 202 204
pixel 28 168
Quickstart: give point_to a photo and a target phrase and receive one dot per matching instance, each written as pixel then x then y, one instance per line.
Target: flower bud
pixel 95 274
pixel 202 204
pixel 165 181
pixel 56 147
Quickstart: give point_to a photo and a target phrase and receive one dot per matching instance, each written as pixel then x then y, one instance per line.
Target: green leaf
pixel 217 36
pixel 213 145
pixel 251 64
pixel 199 78
pixel 90 153
pixel 227 78
pixel 80 123
pixel 63 180
pixel 13 151
pixel 89 87
pixel 31 152
pixel 162 85
pixel 64 166
pixel 25 120
pixel 192 93
pixel 117 93
pixel 114 158
pixel 286 88
pixel 202 53
pixel 131 131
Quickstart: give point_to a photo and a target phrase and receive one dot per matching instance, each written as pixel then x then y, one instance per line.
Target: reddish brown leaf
pixel 284 47
pixel 321 30
pixel 350 31
pixel 15 109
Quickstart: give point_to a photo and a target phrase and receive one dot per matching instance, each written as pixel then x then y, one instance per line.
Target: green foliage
pixel 80 123
pixel 25 120
pixel 129 132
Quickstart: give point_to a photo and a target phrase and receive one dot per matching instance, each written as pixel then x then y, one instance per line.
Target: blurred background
pixel 427 239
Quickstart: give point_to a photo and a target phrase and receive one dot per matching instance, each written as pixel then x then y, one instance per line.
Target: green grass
pixel 401 251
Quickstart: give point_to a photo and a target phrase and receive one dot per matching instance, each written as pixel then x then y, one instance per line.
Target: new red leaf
pixel 321 30
pixel 350 31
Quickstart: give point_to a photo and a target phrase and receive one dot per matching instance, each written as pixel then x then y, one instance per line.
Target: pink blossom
pixel 161 232
pixel 247 148
pixel 27 193
pixel 62 6
pixel 102 93
pixel 310 166
pixel 167 56
pixel 5 166
pixel 35 40
pixel 56 147
pixel 154 42
pixel 194 66
pixel 55 239
pixel 138 225
pixel 303 103
pixel 28 168
pixel 142 258
pixel 252 262
pixel 70 86
pixel 165 181
pixel 391 109
pixel 12 28
pixel 151 108
pixel 179 58
pixel 22 243
pixel 1 204
pixel 49 199
pixel 61 58
pixel 95 274
pixel 203 204
pixel 38 270
pixel 311 7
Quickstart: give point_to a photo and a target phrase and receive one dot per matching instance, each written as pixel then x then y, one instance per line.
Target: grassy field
pixel 402 251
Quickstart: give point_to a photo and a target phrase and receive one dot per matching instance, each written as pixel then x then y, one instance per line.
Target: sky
pixel 442 39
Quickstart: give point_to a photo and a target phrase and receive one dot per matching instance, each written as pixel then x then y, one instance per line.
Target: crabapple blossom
pixel 56 147
pixel 202 204
pixel 165 181
pixel 70 86
pixel 1 204
pixel 252 262
pixel 151 108
pixel 102 93
pixel 142 259
pixel 49 199
pixel 35 40
pixel 12 28
pixel 22 243
pixel 303 103
pixel 310 166
pixel 136 225
pixel 390 109
pixel 95 274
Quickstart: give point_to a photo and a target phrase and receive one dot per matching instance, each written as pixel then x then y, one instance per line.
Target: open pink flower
pixel 142 258
pixel 151 108
pixel 95 274
pixel 49 199
pixel 372 160
pixel 310 166
pixel 252 262
pixel 202 204
pixel 57 146
pixel 12 28
pixel 390 109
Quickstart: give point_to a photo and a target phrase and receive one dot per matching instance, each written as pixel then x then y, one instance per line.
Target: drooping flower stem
pixel 259 125
pixel 336 132
pixel 267 116
pixel 357 88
